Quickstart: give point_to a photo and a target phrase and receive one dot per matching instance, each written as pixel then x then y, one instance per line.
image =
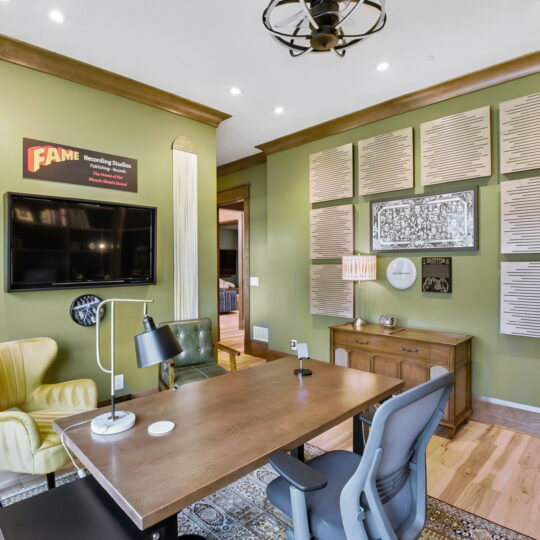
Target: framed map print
pixel 437 221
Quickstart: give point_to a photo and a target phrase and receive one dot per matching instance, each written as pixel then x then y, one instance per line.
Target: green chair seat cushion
pixel 198 372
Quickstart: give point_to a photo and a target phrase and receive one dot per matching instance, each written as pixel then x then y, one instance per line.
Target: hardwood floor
pixel 229 333
pixel 487 470
pixel 232 336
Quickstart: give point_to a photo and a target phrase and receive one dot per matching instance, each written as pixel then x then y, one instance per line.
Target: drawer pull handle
pixel 409 350
pixel 361 342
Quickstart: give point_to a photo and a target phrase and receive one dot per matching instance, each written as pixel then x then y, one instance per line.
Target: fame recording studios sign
pixel 61 163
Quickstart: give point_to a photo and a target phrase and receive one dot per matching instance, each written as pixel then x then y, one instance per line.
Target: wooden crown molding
pixel 30 56
pixel 240 164
pixel 237 193
pixel 478 80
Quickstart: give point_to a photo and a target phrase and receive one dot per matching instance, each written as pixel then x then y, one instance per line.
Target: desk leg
pixel 164 530
pixel 358 435
pixel 298 453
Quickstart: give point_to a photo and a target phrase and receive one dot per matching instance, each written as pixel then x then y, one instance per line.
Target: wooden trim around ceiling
pixel 30 56
pixel 238 193
pixel 500 73
pixel 240 164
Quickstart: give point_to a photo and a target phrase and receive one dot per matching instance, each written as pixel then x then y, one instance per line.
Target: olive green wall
pixel 255 177
pixel 504 367
pixel 41 106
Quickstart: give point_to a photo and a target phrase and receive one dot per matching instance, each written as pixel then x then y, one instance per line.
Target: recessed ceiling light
pixel 56 16
pixel 383 66
pixel 279 110
pixel 5 1
pixel 429 58
pixel 235 91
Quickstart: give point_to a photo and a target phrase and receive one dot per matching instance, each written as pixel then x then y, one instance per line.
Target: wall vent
pixel 260 333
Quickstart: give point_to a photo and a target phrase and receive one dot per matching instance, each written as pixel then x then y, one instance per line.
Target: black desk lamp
pixel 153 346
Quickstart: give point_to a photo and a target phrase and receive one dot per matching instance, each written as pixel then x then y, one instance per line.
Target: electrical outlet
pixel 119 382
pixel 294 344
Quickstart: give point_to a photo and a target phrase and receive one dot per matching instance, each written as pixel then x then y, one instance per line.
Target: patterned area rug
pixel 241 511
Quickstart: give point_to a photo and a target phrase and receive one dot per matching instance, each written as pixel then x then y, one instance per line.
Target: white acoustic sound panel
pixel 456 147
pixel 385 162
pixel 331 232
pixel 520 216
pixel 520 134
pixel 331 174
pixel 329 294
pixel 520 298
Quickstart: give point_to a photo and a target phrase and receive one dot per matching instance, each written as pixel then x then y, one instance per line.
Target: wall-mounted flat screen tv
pixel 58 243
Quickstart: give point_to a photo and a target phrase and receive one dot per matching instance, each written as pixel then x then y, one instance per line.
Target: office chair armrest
pixel 297 473
pixel 231 352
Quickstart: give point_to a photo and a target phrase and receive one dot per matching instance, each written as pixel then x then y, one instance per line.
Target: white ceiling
pixel 199 49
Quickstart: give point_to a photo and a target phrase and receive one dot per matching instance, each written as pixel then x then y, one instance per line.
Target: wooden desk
pixel 225 427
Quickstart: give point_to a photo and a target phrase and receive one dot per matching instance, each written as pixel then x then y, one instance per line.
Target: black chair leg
pixel 51 482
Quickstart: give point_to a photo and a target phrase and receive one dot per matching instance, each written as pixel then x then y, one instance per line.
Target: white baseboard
pixel 511 404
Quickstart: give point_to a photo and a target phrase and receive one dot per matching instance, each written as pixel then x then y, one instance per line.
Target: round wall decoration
pixel 83 309
pixel 401 273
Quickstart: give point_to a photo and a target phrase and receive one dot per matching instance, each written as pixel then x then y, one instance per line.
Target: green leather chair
pixel 197 361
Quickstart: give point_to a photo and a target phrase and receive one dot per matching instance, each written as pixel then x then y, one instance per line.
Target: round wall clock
pixel 83 309
pixel 401 273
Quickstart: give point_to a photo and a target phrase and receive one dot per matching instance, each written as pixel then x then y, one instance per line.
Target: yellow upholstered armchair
pixel 28 442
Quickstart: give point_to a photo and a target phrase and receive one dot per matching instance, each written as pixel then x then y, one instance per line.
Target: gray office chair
pixel 380 495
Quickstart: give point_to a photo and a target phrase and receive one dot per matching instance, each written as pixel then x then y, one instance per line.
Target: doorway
pixel 233 267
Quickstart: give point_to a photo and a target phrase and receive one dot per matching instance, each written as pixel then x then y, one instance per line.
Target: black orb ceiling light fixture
pixel 304 26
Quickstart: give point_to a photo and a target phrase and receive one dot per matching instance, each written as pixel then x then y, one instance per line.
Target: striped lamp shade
pixel 359 268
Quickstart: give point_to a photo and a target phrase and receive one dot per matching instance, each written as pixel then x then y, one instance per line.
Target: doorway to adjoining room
pixel 231 274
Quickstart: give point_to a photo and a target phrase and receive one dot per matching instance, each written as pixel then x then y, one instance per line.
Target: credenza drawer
pixel 404 347
pixel 341 338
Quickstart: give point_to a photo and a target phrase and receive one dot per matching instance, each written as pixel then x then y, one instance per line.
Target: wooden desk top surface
pixel 431 336
pixel 225 427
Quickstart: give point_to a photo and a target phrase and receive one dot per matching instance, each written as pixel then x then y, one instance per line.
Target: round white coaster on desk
pixel 161 428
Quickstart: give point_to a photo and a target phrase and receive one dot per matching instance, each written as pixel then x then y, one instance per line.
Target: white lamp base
pixel 104 425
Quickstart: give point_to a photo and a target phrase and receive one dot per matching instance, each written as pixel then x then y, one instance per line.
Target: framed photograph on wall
pixel 435 221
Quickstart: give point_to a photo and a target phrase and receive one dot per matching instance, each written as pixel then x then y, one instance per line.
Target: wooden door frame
pixel 238 194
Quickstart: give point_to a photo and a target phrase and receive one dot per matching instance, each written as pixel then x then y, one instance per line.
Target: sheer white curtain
pixel 186 285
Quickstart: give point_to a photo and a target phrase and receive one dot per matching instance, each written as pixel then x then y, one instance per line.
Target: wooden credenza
pixel 416 356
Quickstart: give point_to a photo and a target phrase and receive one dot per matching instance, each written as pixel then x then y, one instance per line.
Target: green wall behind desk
pixel 504 367
pixel 48 108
